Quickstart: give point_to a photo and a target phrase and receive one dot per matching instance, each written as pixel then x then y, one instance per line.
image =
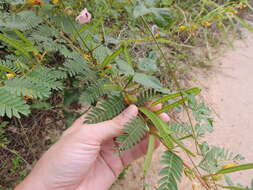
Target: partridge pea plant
pixel 93 59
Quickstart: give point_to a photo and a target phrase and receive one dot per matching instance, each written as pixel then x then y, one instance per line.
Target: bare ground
pixel 228 89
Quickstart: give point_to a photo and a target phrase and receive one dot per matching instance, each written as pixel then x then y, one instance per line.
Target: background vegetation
pixel 53 69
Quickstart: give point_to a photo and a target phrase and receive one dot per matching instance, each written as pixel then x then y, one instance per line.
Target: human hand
pixel 84 157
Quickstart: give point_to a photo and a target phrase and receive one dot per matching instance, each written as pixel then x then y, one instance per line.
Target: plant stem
pixel 203 183
pixel 173 77
pixel 128 82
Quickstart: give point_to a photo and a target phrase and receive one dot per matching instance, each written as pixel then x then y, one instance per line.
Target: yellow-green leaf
pixel 175 95
pixel 149 155
pixel 161 126
pixel 236 168
pixel 6 69
pixel 171 106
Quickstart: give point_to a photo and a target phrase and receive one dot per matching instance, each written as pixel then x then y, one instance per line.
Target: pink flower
pixel 84 17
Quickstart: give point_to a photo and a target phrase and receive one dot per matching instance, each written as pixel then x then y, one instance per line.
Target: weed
pixel 127 52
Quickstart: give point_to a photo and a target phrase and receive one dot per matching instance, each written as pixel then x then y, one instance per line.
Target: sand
pixel 230 92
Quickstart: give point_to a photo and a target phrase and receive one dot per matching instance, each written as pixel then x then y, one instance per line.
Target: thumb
pixel 112 128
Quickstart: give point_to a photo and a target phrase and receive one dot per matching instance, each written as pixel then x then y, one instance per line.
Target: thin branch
pixel 173 77
pixel 203 183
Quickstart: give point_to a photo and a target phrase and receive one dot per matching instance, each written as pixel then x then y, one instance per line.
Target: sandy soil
pixel 230 92
pixel 228 89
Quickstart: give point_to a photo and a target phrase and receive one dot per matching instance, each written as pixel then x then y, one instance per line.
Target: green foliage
pixel 147 65
pixel 171 173
pixel 24 20
pixel 147 95
pixel 149 82
pixel 93 92
pixel 3 139
pixel 26 87
pixel 201 114
pixel 235 168
pixel 166 98
pixel 149 155
pixel 37 83
pixel 111 57
pixel 141 10
pixel 19 46
pixel 169 107
pixel 6 69
pixel 181 130
pixel 12 105
pixel 14 66
pixel 46 77
pixel 106 110
pixel 16 162
pixel 76 66
pixel 124 68
pixel 162 127
pixel 134 131
pixel 215 157
pixel 232 186
pixel 48 61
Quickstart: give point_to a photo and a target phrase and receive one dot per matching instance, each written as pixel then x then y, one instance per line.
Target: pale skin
pixel 84 157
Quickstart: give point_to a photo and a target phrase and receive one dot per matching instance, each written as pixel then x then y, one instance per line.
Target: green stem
pixel 173 77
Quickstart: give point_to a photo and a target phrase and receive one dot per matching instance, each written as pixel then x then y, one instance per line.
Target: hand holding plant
pixel 84 157
pixel 51 62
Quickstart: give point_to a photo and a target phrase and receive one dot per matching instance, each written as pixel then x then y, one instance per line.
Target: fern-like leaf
pixel 10 65
pixel 44 33
pixel 76 66
pixel 181 130
pixel 134 131
pixel 146 96
pixel 17 63
pixel 25 87
pixel 16 44
pixel 172 171
pixel 12 105
pixel 106 110
pixel 46 77
pixel 23 20
pixel 92 93
pixel 215 157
